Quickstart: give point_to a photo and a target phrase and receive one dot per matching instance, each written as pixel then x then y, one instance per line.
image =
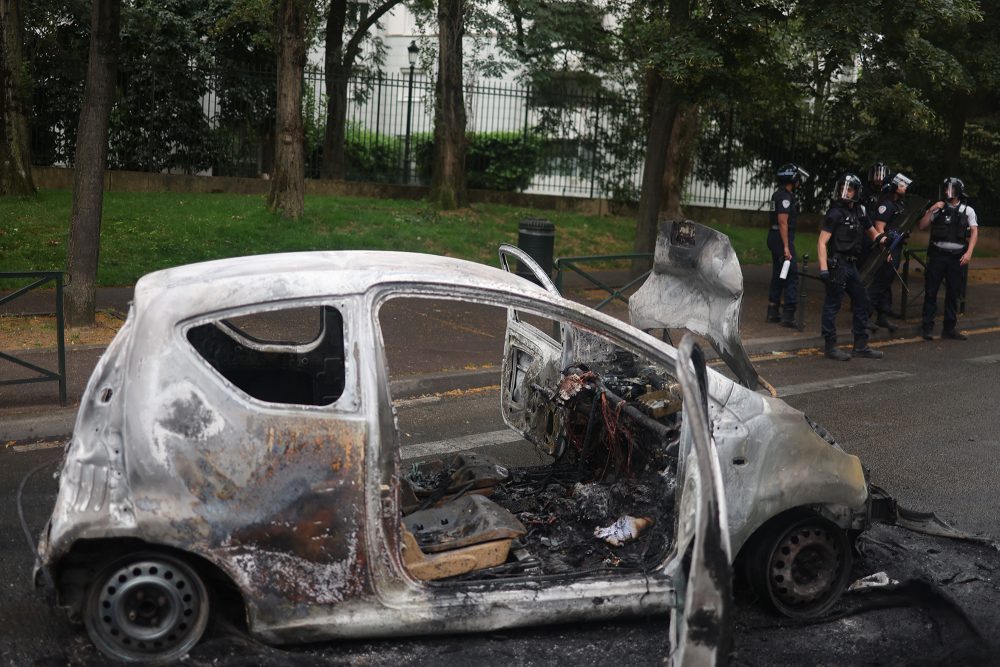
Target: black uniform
pixel 782 201
pixel 950 229
pixel 880 291
pixel 847 227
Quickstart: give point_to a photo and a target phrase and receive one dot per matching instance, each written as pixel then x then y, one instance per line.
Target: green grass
pixel 143 232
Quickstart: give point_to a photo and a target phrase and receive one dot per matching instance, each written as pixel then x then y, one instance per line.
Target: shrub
pixel 504 161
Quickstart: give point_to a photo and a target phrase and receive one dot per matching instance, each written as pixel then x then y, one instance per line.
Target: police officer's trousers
pixel 789 287
pixel 947 266
pixel 845 278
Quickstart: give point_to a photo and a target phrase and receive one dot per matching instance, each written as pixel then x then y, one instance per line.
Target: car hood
pixel 696 284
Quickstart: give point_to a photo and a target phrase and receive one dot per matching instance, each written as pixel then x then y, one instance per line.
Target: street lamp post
pixel 411 52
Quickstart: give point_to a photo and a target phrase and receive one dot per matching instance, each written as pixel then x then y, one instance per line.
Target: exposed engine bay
pixel 604 503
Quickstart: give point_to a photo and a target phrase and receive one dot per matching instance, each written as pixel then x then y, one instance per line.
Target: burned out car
pixel 215 450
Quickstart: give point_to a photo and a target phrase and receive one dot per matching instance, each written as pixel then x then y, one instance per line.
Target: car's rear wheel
pixel 149 607
pixel 800 564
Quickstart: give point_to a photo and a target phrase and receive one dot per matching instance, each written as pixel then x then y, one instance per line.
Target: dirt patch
pixel 33 332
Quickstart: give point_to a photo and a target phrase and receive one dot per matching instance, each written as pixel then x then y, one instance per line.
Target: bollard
pixel 536 236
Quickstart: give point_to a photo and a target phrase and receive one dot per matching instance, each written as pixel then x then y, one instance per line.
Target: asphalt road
pixel 923 420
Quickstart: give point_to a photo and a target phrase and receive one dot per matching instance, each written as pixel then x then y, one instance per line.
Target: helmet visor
pixel 952 190
pixel 847 190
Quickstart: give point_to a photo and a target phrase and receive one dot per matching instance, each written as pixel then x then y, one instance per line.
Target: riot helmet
pixel 791 173
pixel 847 189
pixel 952 188
pixel 879 173
pixel 898 185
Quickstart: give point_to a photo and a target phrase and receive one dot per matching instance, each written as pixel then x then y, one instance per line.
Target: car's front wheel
pixel 800 563
pixel 149 607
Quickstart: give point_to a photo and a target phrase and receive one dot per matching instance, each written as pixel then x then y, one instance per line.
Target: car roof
pixel 238 281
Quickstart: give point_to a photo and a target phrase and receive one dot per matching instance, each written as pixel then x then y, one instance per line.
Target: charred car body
pixel 205 455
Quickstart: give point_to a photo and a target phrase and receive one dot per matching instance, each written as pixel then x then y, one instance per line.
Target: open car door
pixel 531 359
pixel 701 633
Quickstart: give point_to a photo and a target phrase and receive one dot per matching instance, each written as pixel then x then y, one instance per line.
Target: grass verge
pixel 143 232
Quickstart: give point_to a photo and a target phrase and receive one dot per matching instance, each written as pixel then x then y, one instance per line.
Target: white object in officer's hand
pixel 784 269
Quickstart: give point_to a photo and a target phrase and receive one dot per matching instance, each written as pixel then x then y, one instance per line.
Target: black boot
pixel 772 313
pixel 788 319
pixel 861 349
pixel 883 322
pixel 834 352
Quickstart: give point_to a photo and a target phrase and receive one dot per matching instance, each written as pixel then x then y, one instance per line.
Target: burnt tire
pixel 146 607
pixel 800 564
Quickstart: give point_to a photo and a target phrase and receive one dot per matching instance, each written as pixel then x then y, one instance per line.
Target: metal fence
pixel 550 140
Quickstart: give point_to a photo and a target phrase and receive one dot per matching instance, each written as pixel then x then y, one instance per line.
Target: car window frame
pixel 349 401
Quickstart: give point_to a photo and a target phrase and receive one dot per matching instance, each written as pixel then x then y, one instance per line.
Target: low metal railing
pixel 564 264
pixel 40 278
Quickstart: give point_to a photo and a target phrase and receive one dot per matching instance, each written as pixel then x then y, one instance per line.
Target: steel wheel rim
pixel 807 568
pixel 147 608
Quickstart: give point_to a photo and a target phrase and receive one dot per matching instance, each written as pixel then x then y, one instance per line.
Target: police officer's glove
pixel 824 276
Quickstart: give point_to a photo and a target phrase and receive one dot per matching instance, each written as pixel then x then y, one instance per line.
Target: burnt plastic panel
pixel 284 373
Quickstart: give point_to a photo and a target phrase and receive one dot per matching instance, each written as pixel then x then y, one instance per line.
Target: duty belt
pixel 947 251
pixel 850 259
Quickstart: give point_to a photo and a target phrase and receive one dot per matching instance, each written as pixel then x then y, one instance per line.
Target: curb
pixel 52 423
pixel 791 343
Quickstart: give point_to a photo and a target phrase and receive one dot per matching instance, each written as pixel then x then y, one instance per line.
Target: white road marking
pixel 840 383
pixel 474 441
pixel 420 400
pixel 988 359
pixel 20 449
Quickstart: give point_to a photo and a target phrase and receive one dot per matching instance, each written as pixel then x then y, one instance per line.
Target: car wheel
pixel 147 607
pixel 800 564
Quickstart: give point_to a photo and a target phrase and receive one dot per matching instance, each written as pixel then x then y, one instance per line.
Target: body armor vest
pixel 847 235
pixel 951 224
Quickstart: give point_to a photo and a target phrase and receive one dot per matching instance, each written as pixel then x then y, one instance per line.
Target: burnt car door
pixel 700 621
pixel 532 358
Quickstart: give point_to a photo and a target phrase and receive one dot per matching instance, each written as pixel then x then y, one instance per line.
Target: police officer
pixel 954 230
pixel 884 218
pixel 877 177
pixel 781 243
pixel 839 249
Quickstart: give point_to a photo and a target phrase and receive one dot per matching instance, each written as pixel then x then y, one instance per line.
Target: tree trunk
pixel 288 183
pixel 956 133
pixel 337 75
pixel 661 124
pixel 682 138
pixel 334 162
pixel 15 142
pixel 448 187
pixel 91 163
